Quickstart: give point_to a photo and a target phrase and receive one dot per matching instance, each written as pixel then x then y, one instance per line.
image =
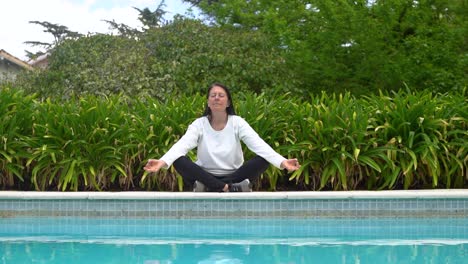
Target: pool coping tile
pixel 397 194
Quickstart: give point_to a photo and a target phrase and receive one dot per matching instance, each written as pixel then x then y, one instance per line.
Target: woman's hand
pixel 290 164
pixel 154 165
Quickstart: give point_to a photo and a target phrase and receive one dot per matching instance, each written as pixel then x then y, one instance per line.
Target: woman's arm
pixel 257 145
pixel 186 143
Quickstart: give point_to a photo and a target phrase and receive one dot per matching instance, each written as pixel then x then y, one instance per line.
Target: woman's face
pixel 218 99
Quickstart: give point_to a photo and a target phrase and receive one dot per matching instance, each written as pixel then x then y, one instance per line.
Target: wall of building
pixel 8 70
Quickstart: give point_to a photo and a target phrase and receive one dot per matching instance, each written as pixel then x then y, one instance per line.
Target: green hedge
pixel 405 140
pixel 179 58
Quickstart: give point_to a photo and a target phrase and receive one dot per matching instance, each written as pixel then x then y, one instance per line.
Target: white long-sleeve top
pixel 220 152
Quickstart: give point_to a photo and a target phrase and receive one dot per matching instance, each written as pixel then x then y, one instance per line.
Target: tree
pixel 122 29
pixel 149 19
pixel 429 39
pixel 359 45
pixel 152 19
pixel 59 32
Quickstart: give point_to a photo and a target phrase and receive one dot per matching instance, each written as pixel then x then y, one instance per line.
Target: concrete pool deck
pixel 393 194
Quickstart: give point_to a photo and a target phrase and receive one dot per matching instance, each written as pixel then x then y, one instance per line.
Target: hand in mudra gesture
pixel 154 165
pixel 290 164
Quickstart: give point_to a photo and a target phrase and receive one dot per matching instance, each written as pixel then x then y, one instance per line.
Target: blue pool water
pixel 248 252
pixel 151 241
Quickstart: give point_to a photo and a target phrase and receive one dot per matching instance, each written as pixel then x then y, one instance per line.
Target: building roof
pixel 40 62
pixel 7 56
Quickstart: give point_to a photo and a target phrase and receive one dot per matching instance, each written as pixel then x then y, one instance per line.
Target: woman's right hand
pixel 154 165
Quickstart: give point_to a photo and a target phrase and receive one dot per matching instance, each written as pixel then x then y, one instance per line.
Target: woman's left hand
pixel 290 164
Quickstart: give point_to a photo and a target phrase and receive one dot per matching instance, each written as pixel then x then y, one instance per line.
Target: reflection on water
pixel 246 241
pixel 247 253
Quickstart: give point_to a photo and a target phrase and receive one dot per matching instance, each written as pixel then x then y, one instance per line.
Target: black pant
pixel 191 172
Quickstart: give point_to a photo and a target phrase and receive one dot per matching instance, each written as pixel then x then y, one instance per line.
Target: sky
pixel 83 16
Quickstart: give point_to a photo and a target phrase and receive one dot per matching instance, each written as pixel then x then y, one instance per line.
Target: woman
pixel 220 163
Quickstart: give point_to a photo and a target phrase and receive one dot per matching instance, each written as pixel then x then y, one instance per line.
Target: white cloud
pixel 83 16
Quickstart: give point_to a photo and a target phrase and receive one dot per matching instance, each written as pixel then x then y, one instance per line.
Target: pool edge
pixel 397 194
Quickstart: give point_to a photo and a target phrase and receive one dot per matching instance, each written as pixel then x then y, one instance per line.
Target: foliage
pixel 15 129
pixel 401 140
pixel 130 97
pixel 152 19
pixel 59 32
pixel 191 55
pixel 149 19
pixel 359 46
pixel 266 46
pixel 181 57
pixel 97 64
pixel 416 127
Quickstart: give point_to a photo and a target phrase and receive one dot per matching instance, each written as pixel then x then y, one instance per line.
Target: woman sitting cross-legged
pixel 220 163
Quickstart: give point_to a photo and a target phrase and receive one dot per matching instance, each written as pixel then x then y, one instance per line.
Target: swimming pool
pixel 345 227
